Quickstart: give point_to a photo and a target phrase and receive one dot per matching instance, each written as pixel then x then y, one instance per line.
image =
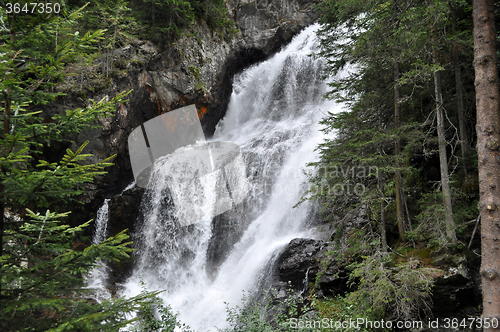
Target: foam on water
pixel 273 116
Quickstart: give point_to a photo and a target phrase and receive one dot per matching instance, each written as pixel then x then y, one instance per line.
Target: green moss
pixel 200 88
pixel 195 72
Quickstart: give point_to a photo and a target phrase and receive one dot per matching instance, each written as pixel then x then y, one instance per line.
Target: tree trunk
pixel 443 158
pixel 399 187
pixel 488 140
pixel 2 216
pixel 2 211
pixel 112 51
pixel 464 141
pixel 383 234
pixel 443 161
pixel 152 12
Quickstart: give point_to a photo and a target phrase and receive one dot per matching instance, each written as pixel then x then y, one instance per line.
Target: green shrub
pixel 154 315
pixel 390 291
pixel 267 315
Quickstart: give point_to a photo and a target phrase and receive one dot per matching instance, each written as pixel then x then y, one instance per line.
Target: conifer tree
pixel 443 157
pixel 369 37
pixel 408 41
pixel 42 269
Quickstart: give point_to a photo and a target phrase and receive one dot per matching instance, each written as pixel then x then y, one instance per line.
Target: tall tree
pixel 42 270
pixel 488 144
pixel 398 178
pixel 464 140
pixel 443 157
pixel 379 43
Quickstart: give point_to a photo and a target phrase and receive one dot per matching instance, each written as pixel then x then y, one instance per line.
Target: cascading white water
pixel 273 116
pixel 101 223
pixel 97 278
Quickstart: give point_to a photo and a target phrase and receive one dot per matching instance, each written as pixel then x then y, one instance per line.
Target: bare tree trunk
pixel 464 141
pixel 443 158
pixel 488 140
pixel 112 51
pixel 57 34
pixel 12 31
pixel 399 187
pixel 383 234
pixel 152 12
pixel 443 161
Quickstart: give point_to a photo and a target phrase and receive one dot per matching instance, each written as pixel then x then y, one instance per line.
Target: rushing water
pixel 101 223
pixel 273 116
pixel 98 276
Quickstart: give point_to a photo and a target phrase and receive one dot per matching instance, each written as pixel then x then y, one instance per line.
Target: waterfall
pixel 101 223
pixel 97 277
pixel 273 116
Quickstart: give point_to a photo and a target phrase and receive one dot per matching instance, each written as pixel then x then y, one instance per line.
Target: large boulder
pixel 124 211
pixel 453 290
pixel 306 263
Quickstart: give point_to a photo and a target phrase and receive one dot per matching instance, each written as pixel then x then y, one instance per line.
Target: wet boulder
pixel 124 211
pixel 307 263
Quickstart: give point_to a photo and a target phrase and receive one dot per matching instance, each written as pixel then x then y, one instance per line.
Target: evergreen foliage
pixel 371 39
pixel 294 312
pixel 265 315
pixel 43 264
pixel 155 316
pixel 161 21
pixel 42 271
pixel 390 61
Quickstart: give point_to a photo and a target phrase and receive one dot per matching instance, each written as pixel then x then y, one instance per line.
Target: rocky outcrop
pixel 198 69
pixel 266 25
pixel 124 211
pixel 227 229
pixel 307 264
pixel 455 289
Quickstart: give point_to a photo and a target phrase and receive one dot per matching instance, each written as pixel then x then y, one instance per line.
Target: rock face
pixel 227 229
pixel 299 261
pixel 198 69
pixel 454 290
pixel 301 264
pixel 124 211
